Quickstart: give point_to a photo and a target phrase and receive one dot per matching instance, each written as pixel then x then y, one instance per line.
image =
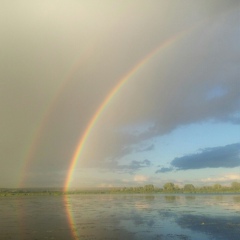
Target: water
pixel 88 217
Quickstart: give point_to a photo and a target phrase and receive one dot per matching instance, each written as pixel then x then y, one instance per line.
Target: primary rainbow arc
pixel 108 99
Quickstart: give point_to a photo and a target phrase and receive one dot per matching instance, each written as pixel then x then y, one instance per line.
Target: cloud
pixel 225 156
pixel 140 178
pixel 146 149
pixel 105 185
pixel 224 178
pixel 164 170
pixel 162 100
pixel 133 166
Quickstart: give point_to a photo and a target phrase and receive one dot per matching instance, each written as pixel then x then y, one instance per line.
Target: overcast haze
pixel 176 119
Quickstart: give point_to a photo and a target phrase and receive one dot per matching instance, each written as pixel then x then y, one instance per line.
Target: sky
pixel 174 114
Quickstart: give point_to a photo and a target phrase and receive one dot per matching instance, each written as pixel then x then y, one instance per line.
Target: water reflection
pixel 149 197
pixel 33 217
pixel 236 199
pixel 153 217
pixel 172 198
pixel 190 197
pixel 125 217
pixel 217 227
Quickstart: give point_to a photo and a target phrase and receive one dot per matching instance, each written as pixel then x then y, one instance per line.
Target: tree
pixel 235 185
pixel 149 188
pixel 189 188
pixel 168 186
pixel 217 186
pixel 176 187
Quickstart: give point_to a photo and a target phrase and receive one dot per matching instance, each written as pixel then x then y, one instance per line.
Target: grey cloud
pixel 133 166
pixel 225 156
pixel 146 149
pixel 164 170
pixel 162 100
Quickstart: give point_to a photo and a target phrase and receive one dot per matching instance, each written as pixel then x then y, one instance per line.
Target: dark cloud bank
pixel 225 156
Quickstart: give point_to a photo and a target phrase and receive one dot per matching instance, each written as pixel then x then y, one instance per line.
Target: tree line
pixel 187 188
pixel 149 188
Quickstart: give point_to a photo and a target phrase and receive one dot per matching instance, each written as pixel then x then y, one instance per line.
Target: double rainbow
pixel 103 106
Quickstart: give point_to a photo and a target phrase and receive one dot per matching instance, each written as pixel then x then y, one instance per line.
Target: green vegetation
pixel 187 188
pixel 150 188
pixel 29 192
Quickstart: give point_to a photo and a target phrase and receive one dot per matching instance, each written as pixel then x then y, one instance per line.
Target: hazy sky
pixel 175 119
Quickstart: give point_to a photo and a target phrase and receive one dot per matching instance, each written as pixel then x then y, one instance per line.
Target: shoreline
pixel 53 194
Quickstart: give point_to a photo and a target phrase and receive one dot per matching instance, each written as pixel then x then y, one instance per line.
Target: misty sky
pixel 176 119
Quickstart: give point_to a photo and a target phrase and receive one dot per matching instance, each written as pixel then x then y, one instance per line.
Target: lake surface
pixel 88 217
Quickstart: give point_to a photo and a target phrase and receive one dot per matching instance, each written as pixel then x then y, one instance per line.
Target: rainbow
pixel 37 134
pixel 110 96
